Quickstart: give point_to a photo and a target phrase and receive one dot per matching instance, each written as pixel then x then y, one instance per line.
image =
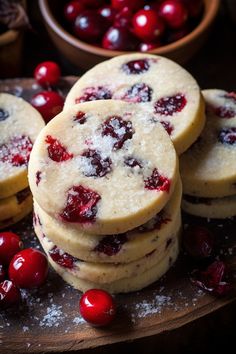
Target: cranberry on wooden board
pixel 72 9
pixel 47 73
pixel 174 13
pixel 90 26
pixel 97 307
pixel 10 244
pixel 28 268
pixel 48 103
pixel 147 25
pixel 9 294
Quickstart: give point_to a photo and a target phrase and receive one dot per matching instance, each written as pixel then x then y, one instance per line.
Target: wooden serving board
pixel 48 319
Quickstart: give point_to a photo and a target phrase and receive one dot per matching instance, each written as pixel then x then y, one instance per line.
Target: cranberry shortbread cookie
pixel 163 87
pixel 140 279
pixel 14 205
pixel 28 205
pixel 20 124
pixel 105 167
pixel 117 248
pixel 208 168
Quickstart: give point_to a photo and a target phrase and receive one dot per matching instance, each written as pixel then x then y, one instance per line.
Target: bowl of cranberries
pixel 87 32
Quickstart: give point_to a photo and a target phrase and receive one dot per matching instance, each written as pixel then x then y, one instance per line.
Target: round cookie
pixel 28 204
pixel 103 167
pixel 120 248
pixel 15 204
pixel 125 285
pixel 106 272
pixel 160 85
pixel 20 124
pixel 213 208
pixel 208 168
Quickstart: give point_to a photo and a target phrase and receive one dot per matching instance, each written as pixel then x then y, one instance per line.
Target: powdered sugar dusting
pixel 53 317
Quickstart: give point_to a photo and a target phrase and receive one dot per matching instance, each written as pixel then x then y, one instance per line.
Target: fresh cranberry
pixel 198 241
pixel 147 25
pixel 90 26
pixel 16 151
pixel 131 4
pixel 28 268
pixel 155 223
pixel 96 165
pixel 9 294
pixel 48 103
pixel 225 112
pixel 10 244
pixel 171 104
pixel 56 151
pixel 38 177
pixel 3 114
pixel 62 258
pixel 194 7
pixel 123 18
pixel 108 12
pixel 47 73
pixel 93 3
pixel 168 126
pixel 132 162
pixel 157 182
pixel 174 13
pixel 119 38
pixel 2 273
pixel 136 67
pixel 227 136
pixel 94 93
pixel 138 93
pixel 72 9
pixel 118 129
pixel 81 205
pixel 80 117
pixel 147 46
pixel 111 244
pixel 97 307
pixel 22 195
pixel 212 279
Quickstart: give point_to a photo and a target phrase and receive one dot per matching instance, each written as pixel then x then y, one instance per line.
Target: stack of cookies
pixel 208 168
pixel 104 174
pixel 20 124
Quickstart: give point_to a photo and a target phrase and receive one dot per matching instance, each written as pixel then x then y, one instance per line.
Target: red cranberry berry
pixel 38 177
pixel 72 9
pixel 81 205
pixel 56 151
pixel 94 93
pixel 90 26
pixel 62 258
pixel 147 46
pixel 96 165
pixel 227 136
pixel 3 114
pixel 123 18
pixel 225 112
pixel 108 12
pixel 16 151
pixel 173 13
pixel 147 25
pixel 92 3
pixel 97 307
pixel 132 162
pixel 212 279
pixel 119 38
pixel 28 268
pixel 131 4
pixel 167 106
pixel 198 241
pixel 47 73
pixel 118 129
pixel 2 273
pixel 136 67
pixel 9 294
pixel 10 244
pixel 48 103
pixel 139 92
pixel 157 182
pixel 168 126
pixel 111 244
pixel 80 117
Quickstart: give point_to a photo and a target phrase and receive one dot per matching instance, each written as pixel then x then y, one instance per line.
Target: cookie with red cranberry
pixel 117 248
pixel 139 279
pixel 213 208
pixel 163 87
pixel 104 167
pixel 106 272
pixel 208 168
pixel 20 124
pixel 28 205
pixel 15 204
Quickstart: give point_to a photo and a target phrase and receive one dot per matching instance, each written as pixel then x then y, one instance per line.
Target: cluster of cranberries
pixel 48 102
pixel 199 243
pixel 19 268
pixel 132 25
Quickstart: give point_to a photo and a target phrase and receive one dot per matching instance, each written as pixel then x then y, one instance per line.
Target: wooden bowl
pixel 84 55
